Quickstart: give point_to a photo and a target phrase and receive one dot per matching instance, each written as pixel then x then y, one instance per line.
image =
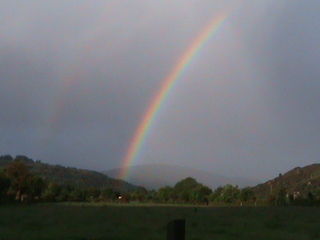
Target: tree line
pixel 18 184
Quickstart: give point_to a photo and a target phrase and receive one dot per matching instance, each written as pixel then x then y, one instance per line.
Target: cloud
pixel 76 78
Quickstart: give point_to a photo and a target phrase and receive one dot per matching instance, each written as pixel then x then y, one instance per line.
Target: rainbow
pixel 168 83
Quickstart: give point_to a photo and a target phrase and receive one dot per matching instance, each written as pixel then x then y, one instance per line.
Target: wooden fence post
pixel 176 230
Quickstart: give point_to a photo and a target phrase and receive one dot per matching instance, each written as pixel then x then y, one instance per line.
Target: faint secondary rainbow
pixel 168 83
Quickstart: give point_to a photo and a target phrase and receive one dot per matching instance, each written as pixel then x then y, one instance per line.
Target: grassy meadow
pixel 131 222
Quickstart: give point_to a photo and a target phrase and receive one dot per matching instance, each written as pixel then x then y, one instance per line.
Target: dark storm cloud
pixel 76 78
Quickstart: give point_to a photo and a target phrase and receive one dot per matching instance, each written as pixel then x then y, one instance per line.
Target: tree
pixel 4 185
pixel 215 196
pixel 19 175
pixel 51 192
pixel 24 159
pixel 246 194
pixel 189 190
pixel 200 194
pixel 229 193
pixel 152 195
pixel 63 194
pixel 108 194
pixel 139 195
pixel 186 184
pixel 77 195
pixel 92 194
pixel 5 160
pixel 281 197
pixel 35 187
pixel 165 194
pixel 310 197
pixel 183 189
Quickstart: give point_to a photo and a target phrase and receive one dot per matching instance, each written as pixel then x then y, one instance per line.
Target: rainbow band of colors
pixel 168 83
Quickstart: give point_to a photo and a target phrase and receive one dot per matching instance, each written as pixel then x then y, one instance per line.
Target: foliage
pixel 246 195
pixel 226 194
pixel 299 182
pixel 67 176
pixel 165 194
pixel 189 190
pixel 22 179
pixel 139 195
pixel 4 186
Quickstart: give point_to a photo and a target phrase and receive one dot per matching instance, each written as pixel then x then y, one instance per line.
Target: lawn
pixel 125 222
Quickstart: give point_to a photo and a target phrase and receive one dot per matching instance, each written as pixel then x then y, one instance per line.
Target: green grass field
pixel 76 221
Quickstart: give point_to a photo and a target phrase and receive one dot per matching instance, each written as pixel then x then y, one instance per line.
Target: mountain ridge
pixel 154 176
pixel 61 175
pixel 299 180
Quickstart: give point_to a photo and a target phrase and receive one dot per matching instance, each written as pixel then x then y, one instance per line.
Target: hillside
pixel 154 176
pixel 300 179
pixel 69 176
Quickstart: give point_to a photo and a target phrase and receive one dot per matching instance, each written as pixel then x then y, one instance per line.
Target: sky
pixel 76 77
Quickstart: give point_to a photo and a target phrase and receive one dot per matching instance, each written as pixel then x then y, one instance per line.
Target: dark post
pixel 176 230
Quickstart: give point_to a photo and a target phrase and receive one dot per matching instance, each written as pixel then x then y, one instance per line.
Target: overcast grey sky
pixel 76 77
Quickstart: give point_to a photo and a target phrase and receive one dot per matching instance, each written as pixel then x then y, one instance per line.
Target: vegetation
pixel 25 180
pixel 85 211
pixel 66 176
pixel 300 186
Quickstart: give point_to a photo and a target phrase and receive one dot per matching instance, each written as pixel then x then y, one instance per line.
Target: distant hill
pixel 154 176
pixel 69 176
pixel 299 179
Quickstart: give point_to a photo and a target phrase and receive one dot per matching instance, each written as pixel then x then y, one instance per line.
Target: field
pixel 97 222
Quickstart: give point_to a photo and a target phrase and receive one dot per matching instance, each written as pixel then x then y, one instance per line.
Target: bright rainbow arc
pixel 168 83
